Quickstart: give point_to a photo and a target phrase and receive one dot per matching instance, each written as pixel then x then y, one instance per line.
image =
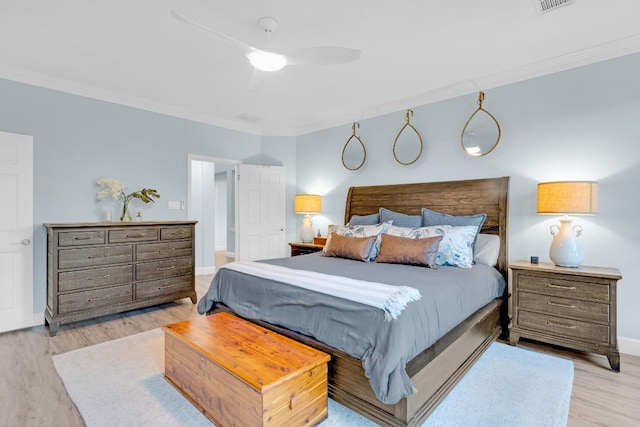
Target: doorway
pixel 207 177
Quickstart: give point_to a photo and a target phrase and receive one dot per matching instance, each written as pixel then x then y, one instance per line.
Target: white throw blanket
pixel 391 299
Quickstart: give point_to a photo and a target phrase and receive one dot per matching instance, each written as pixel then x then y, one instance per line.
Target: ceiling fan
pixel 268 60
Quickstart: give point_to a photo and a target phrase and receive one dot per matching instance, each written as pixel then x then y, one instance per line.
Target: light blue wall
pixel 578 124
pixel 79 140
pixel 581 124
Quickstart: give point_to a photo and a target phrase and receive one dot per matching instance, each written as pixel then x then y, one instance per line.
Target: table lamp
pixel 567 198
pixel 307 204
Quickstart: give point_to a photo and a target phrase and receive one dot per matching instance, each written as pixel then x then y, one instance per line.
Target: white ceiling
pixel 414 52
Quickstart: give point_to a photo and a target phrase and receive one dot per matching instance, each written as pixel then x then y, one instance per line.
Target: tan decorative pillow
pixel 358 248
pixel 405 250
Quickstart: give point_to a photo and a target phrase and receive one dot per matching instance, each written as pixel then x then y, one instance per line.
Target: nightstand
pixel 299 248
pixel 569 307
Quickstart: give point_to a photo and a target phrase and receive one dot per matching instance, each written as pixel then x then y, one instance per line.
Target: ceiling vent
pixel 549 5
pixel 248 117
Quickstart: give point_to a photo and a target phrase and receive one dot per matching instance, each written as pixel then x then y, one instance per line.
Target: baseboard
pixel 629 346
pixel 231 255
pixel 205 270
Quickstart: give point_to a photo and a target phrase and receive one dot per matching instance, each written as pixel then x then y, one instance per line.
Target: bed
pixel 433 371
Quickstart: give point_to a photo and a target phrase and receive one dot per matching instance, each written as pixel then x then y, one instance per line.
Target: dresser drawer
pixel 576 309
pixel 573 289
pixel 83 279
pixel 569 328
pixel 81 238
pixel 87 300
pixel 166 268
pixel 156 288
pixel 153 251
pixel 92 257
pixel 130 235
pixel 170 233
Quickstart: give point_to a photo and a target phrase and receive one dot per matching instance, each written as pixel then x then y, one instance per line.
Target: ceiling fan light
pixel 267 61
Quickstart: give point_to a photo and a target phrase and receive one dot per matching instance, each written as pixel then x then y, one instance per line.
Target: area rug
pixel 121 383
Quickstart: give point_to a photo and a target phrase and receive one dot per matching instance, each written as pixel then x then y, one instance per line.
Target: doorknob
pixel 25 242
pixel 281 228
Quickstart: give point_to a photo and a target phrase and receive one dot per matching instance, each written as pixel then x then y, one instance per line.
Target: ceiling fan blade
pixel 216 34
pixel 324 55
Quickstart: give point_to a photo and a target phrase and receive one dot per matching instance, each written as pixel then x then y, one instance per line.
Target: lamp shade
pixel 308 204
pixel 568 197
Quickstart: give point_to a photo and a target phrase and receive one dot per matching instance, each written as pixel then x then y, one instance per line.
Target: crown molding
pixel 609 50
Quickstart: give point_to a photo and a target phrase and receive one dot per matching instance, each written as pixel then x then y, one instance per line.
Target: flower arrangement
pixel 115 189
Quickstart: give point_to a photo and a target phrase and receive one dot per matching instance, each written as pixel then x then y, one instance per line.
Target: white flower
pixel 114 189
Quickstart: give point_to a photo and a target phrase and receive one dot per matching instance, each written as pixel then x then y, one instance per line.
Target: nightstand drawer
pixel 574 289
pixel 568 328
pixel 576 309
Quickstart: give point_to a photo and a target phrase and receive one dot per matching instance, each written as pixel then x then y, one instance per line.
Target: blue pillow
pixel 372 219
pixel 400 219
pixel 430 218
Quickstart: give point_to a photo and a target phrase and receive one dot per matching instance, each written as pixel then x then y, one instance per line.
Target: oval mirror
pixel 353 153
pixel 481 132
pixel 407 147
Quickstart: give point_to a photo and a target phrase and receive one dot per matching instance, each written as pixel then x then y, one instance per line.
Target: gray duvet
pixel 449 295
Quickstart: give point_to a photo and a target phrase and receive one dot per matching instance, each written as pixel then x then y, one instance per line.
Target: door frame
pixel 208 159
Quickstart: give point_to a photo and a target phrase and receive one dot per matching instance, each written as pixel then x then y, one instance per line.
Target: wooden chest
pixel 240 374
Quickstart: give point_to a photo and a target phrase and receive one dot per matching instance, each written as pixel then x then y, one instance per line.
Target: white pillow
pixel 456 246
pixel 487 249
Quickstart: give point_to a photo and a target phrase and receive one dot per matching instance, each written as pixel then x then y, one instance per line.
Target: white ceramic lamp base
pixel 306 231
pixel 566 249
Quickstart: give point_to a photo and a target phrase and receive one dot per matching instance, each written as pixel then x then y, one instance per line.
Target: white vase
pixel 566 249
pixel 306 231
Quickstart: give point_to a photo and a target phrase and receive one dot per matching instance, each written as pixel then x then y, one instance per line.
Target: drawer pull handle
pixel 97 299
pixel 135 236
pixel 561 325
pixel 98 277
pixel 557 304
pixel 165 268
pixel 99 256
pixel 165 287
pixel 83 238
pixel 568 288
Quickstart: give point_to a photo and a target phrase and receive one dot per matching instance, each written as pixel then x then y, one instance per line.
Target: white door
pixel 260 212
pixel 16 231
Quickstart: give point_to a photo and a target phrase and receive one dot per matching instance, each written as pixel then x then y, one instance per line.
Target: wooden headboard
pixel 466 197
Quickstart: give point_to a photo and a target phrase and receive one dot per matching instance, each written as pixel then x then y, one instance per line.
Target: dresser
pixel 94 269
pixel 569 307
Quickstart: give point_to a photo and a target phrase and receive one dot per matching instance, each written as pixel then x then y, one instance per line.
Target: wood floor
pixel 32 394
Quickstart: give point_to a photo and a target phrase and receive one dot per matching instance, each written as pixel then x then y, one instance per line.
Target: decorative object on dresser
pixel 564 198
pixel 354 156
pixel 239 373
pixel 481 133
pixel 102 268
pixel 402 150
pixel 307 204
pixel 115 189
pixel 298 248
pixel 570 307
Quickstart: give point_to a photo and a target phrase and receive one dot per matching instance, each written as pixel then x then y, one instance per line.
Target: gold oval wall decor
pixel 481 133
pixel 354 158
pixel 411 158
